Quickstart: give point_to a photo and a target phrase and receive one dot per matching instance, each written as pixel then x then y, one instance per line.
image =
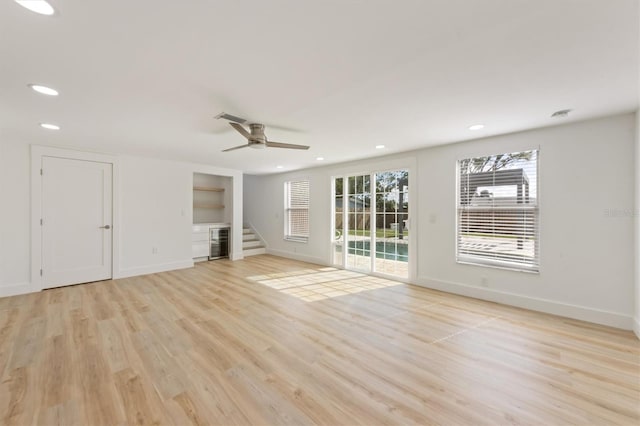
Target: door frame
pixel 37 153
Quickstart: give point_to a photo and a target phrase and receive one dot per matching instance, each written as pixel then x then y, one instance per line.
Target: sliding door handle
pixel 106 227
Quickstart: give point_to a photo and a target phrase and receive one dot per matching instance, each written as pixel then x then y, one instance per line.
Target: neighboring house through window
pixel 296 209
pixel 498 211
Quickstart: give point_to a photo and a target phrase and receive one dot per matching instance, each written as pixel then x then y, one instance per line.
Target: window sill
pixel 498 265
pixel 297 239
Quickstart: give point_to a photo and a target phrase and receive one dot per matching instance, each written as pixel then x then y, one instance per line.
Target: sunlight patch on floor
pixel 311 285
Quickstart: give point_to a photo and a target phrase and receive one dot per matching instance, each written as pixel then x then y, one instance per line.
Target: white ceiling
pixel 146 77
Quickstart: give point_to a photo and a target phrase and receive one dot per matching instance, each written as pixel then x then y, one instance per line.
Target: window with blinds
pixel 498 211
pixel 296 209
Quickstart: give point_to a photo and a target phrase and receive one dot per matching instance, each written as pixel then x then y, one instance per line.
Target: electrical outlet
pixel 154 250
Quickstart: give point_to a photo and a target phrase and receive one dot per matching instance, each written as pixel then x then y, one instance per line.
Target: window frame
pixel 288 235
pixel 466 259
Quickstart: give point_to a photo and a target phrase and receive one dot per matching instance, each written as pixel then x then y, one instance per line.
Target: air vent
pixel 231 118
pixel 561 114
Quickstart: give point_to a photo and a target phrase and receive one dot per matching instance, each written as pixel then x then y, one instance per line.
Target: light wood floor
pixel 238 343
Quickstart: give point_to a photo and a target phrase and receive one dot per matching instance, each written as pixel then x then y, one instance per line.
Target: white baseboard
pixel 297 256
pixel 636 326
pixel 16 289
pixel 152 269
pixel 583 313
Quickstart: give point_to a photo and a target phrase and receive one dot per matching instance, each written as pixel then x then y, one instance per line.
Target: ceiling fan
pixel 255 136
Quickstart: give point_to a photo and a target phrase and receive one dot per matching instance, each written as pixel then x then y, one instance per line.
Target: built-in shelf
pixel 208 188
pixel 211 193
pixel 208 206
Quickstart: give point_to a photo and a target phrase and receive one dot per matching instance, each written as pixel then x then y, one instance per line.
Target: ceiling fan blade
pixel 285 145
pixel 235 147
pixel 231 117
pixel 241 130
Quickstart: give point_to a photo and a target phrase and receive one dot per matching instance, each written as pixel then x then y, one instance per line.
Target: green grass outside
pixel 380 233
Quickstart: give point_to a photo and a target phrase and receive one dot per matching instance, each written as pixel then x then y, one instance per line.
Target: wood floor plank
pixel 168 377
pixel 241 343
pixel 141 405
pixel 57 377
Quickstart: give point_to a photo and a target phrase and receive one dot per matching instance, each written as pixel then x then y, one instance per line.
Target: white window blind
pixel 296 227
pixel 498 211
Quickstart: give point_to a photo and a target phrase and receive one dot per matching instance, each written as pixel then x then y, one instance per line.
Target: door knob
pixel 106 227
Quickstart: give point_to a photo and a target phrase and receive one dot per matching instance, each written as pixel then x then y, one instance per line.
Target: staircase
pixel 251 243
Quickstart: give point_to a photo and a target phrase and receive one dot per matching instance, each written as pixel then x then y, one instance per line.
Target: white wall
pixel 14 218
pixel 636 322
pixel 587 264
pixel 154 211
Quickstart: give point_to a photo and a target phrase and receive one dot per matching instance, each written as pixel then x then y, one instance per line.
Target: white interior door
pixel 76 221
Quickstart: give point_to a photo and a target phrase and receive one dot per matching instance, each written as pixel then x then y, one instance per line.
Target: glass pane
pixel 337 235
pixel 366 203
pixel 338 187
pixel 379 202
pixel 402 226
pixel 352 222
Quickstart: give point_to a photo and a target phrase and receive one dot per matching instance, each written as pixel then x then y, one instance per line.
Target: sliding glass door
pixel 371 222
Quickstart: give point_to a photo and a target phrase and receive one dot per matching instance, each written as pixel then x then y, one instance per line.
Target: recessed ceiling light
pixel 476 127
pixel 37 6
pixel 279 167
pixel 44 90
pixel 49 126
pixel 320 158
pixel 379 146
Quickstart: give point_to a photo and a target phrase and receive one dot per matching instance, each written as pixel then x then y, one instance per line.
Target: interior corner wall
pixel 154 211
pixel 156 201
pixel 586 181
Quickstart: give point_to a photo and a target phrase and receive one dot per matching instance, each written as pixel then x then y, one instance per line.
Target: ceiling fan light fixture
pixel 255 136
pixel 38 6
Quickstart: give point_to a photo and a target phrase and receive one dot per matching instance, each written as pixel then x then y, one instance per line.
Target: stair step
pixel 249 236
pixel 251 243
pixel 254 251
